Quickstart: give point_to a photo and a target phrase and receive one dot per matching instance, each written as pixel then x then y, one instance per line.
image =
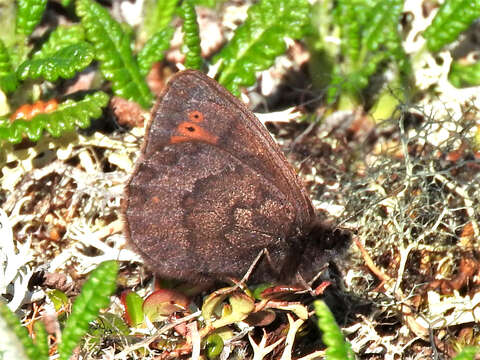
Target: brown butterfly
pixel 211 190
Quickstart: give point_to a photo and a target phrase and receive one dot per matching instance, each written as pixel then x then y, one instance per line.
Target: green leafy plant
pixel 69 50
pixel 32 350
pixel 370 47
pixel 369 40
pixel 158 15
pixel 214 346
pixel 113 50
pixel 254 46
pixel 154 49
pixel 29 14
pixel 64 63
pixel 260 40
pixel 107 327
pixel 8 79
pixel 133 308
pixel 63 55
pixel 67 115
pixel 337 347
pixel 208 3
pixel 191 35
pixel 453 17
pixel 461 75
pixel 64 49
pixel 94 296
pixel 467 353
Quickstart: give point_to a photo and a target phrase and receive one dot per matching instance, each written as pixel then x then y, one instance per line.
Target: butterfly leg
pixel 242 283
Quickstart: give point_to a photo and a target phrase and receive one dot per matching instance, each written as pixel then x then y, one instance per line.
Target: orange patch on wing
pixel 195 116
pixel 155 200
pixel 188 131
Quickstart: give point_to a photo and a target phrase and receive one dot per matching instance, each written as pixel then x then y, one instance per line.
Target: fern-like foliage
pixel 464 75
pixel 207 3
pixel 158 15
pixel 259 40
pixel 467 353
pixel 41 339
pixel 369 36
pixel 337 347
pixel 191 36
pixel 351 16
pixel 21 332
pixel 453 17
pixel 29 14
pixel 8 79
pixel 94 296
pixel 66 3
pixel 67 115
pixel 60 38
pixel 382 34
pixel 64 63
pixel 154 49
pixel 112 49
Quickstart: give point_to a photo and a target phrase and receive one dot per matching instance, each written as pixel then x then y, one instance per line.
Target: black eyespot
pixel 195 116
pixel 191 128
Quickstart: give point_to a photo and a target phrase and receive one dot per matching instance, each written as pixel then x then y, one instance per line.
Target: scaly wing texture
pixel 212 189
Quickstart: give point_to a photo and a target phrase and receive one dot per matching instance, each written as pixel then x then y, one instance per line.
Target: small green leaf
pixel 257 292
pixel 464 75
pixel 154 49
pixel 94 296
pixel 64 63
pixel 453 17
pixel 239 307
pixel 133 308
pixel 60 38
pixel 29 14
pixel 207 3
pixel 369 38
pixel 158 15
pixel 112 49
pixel 337 347
pixel 58 298
pixel 41 339
pixel 468 353
pixel 106 326
pixel 191 36
pixel 260 40
pixel 383 22
pixel 214 346
pixel 14 339
pixel 164 302
pixel 8 79
pixel 113 323
pixel 67 115
pixel 351 17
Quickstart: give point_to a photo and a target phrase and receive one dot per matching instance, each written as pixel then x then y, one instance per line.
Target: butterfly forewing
pixel 211 188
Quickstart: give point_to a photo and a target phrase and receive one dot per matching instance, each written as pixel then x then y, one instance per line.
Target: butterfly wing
pixel 211 188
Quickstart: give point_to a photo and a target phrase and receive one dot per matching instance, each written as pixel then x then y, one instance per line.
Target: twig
pixel 260 350
pixel 195 339
pixel 148 341
pixel 293 327
pixel 369 262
